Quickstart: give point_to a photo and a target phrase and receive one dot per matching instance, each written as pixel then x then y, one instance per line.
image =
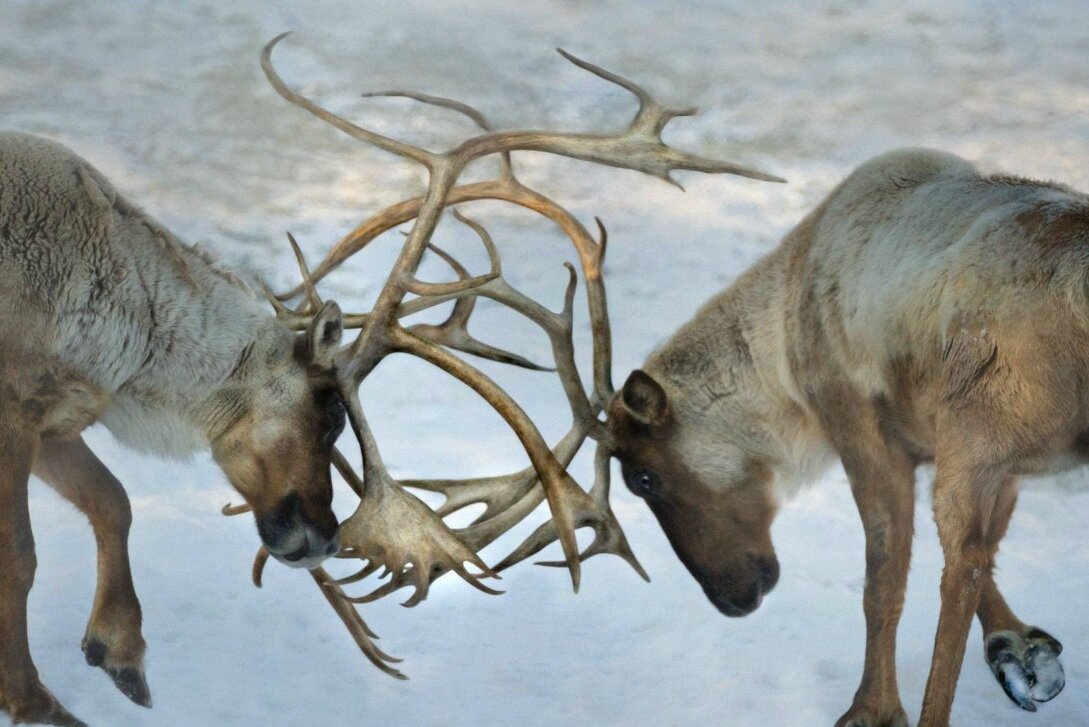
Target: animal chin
pixel 732 608
pixel 310 553
pixel 295 556
pixel 308 562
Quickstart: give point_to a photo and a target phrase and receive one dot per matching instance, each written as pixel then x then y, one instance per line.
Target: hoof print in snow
pixel 1027 666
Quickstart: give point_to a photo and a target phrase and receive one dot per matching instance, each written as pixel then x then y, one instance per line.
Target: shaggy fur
pixel 106 316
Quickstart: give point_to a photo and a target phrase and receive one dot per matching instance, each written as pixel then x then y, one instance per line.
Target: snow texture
pixel 168 101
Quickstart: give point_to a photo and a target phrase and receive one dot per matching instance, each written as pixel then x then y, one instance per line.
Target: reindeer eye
pixel 643 482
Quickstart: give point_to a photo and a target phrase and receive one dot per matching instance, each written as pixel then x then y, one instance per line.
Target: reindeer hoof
pixel 862 717
pixel 132 683
pixel 129 679
pixel 61 717
pixel 1026 665
pixel 39 707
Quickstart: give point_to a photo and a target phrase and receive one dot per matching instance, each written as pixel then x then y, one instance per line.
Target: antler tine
pixel 608 538
pixel 360 632
pixel 652 116
pixel 638 147
pixel 608 535
pixel 313 300
pixel 356 626
pixel 508 499
pixel 651 120
pixel 259 562
pixel 397 530
pixel 647 104
pixel 464 285
pixel 357 132
pixel 613 539
pixel 386 220
pixel 359 575
pixel 231 510
pixel 598 305
pixel 559 488
pixel 505 168
pixel 496 493
pixel 556 326
pixel 465 282
pixel 411 576
pixel 453 332
pixel 299 318
pixel 441 101
pixel 485 237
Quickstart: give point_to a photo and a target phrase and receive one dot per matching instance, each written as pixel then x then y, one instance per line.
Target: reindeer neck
pixel 204 326
pixel 728 368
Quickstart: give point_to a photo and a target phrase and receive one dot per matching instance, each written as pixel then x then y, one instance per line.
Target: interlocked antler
pixel 392 528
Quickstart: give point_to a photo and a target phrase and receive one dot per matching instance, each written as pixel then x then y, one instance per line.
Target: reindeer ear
pixel 323 336
pixel 644 398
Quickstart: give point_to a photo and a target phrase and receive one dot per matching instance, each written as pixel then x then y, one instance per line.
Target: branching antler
pixel 393 529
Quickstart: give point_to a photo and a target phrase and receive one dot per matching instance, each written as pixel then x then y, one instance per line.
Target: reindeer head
pixel 276 451
pixel 712 497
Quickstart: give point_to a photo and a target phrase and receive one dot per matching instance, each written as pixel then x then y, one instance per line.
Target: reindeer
pixel 923 312
pixel 106 316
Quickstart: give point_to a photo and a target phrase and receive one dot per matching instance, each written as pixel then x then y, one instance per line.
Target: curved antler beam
pixel 392 529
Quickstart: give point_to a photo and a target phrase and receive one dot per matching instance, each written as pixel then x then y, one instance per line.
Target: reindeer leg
pixel 113 640
pixel 966 496
pixel 1024 659
pixel 883 483
pixel 21 693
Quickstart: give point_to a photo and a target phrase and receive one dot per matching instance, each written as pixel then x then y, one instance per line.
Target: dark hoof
pixel 867 718
pixel 94 651
pixel 129 679
pixel 132 683
pixel 61 717
pixel 41 708
pixel 1027 666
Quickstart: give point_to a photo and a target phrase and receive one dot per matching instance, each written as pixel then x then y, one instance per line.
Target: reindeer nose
pixel 294 539
pixel 736 605
pixel 768 568
pixel 739 596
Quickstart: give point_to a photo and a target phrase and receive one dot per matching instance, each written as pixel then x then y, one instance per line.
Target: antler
pixel 391 527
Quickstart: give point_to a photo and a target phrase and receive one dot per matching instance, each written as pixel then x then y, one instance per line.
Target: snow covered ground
pixel 168 100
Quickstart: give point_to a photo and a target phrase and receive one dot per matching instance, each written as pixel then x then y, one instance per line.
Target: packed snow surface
pixel 167 99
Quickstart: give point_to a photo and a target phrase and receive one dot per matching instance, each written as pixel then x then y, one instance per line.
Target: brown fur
pixel 923 312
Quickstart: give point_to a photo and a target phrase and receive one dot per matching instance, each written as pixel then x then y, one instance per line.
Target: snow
pixel 168 100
